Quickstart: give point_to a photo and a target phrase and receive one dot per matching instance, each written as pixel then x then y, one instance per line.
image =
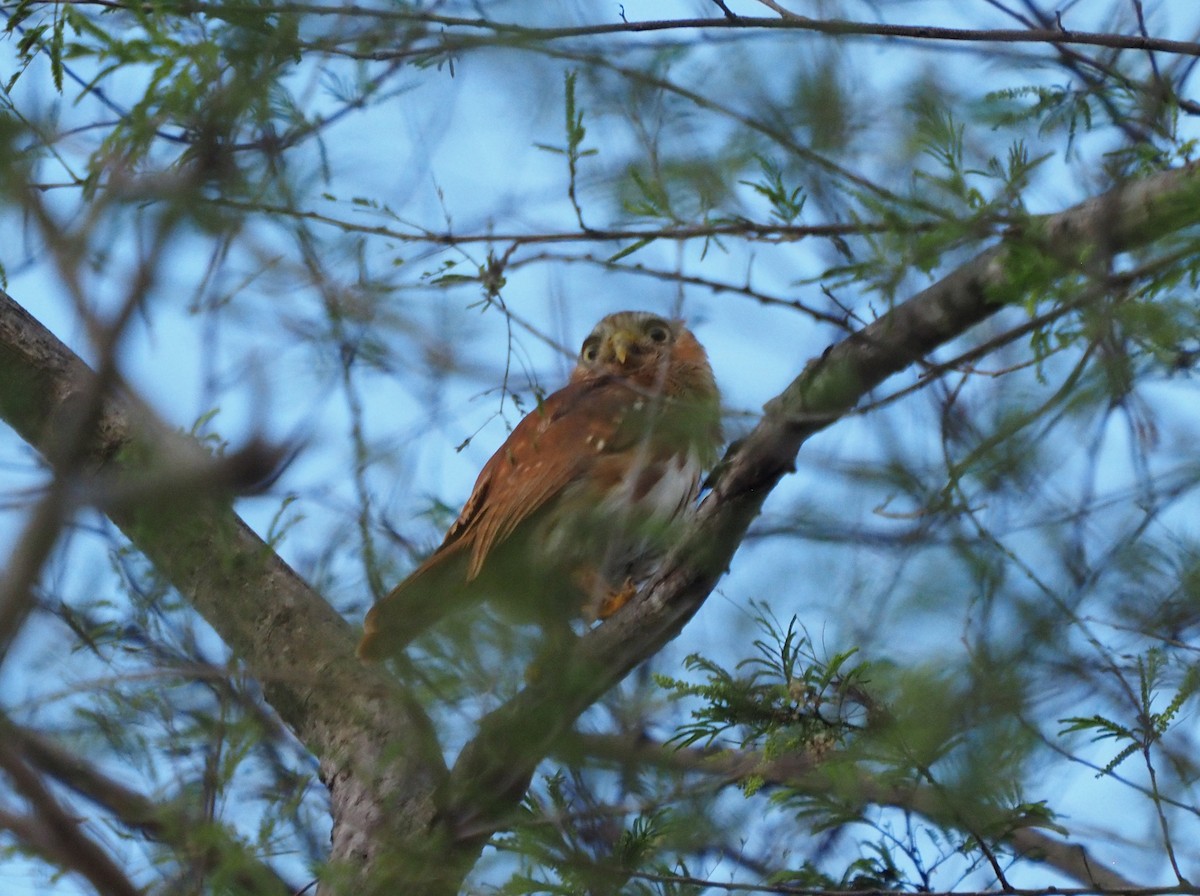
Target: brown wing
pixel 553 446
pixel 566 438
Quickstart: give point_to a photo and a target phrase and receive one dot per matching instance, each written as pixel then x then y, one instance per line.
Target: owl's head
pixel 657 354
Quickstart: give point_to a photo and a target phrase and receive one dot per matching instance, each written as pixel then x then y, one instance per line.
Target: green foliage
pixel 786 204
pixel 207 85
pixel 957 198
pixel 1050 108
pixel 569 846
pixel 652 199
pixel 1148 725
pixel 782 700
pixel 575 133
pixel 42 37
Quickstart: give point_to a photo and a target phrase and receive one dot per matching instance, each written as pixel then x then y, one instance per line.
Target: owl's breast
pixel 659 485
pixel 621 519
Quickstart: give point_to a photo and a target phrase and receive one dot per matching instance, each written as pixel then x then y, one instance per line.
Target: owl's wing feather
pixel 553 446
pixel 556 444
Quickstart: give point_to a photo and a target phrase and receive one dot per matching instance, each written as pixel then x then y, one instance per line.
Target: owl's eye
pixel 590 350
pixel 658 331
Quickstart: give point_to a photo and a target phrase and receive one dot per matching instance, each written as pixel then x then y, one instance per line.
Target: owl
pixel 584 497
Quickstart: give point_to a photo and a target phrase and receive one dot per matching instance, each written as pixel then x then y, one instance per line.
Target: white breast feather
pixel 674 492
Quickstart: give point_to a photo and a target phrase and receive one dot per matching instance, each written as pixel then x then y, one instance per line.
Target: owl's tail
pixel 433 590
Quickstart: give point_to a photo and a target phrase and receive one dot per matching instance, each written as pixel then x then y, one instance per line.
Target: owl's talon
pixel 614 600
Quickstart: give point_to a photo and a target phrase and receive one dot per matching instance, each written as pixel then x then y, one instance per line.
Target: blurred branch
pixel 52 832
pixel 803 773
pixel 179 480
pixel 785 13
pixel 379 756
pixel 67 444
pixel 189 834
pixel 30 552
pixel 494 769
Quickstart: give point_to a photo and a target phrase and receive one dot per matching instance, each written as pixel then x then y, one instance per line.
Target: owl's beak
pixel 620 343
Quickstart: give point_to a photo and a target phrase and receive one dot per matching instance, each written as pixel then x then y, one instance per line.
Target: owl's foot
pixel 614 600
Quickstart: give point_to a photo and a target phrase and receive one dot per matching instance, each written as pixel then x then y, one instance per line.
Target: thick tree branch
pixel 495 768
pixel 379 756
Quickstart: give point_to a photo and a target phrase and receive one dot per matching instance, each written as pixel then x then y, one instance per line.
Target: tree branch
pixel 495 768
pixel 532 36
pixel 56 834
pixel 378 752
pixel 803 773
pixel 178 825
pixel 759 231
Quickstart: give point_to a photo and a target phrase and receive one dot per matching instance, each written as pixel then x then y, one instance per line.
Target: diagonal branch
pixel 494 769
pixel 177 825
pixel 379 756
pixel 55 833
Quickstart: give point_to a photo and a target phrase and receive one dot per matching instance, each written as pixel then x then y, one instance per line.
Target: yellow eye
pixel 658 331
pixel 590 350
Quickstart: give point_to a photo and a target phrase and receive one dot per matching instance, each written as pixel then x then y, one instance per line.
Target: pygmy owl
pixel 585 495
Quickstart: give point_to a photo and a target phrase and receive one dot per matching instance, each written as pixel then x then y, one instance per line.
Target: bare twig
pixel 756 230
pixel 493 30
pixel 784 13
